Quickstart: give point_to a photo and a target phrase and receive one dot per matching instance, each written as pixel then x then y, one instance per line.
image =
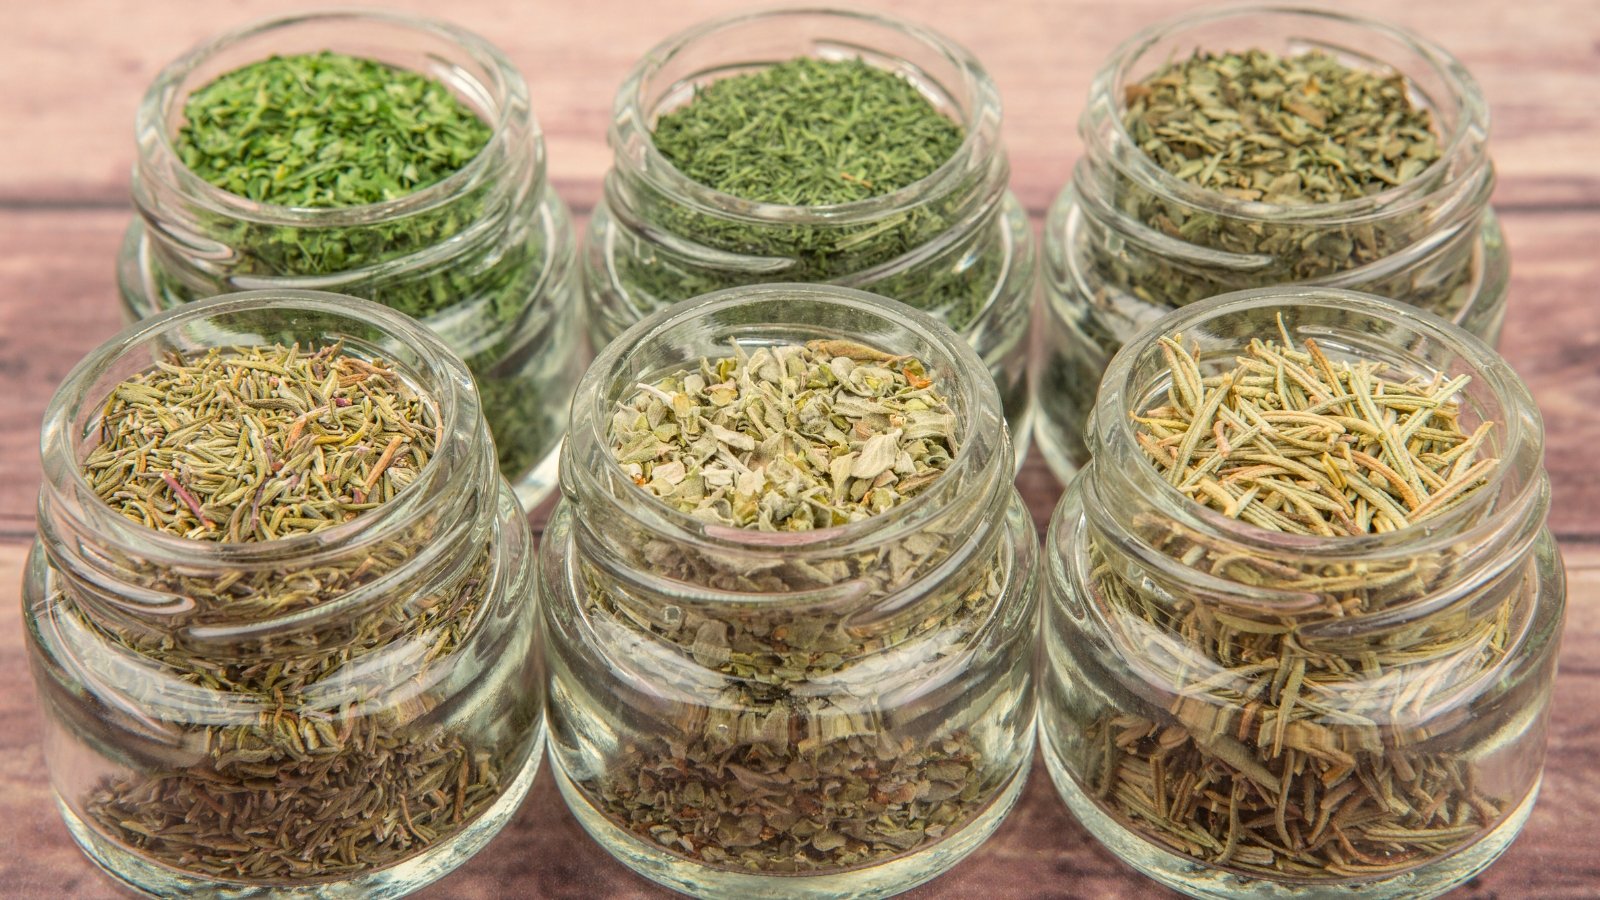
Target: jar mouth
pixel 1517 437
pixel 634 112
pixel 70 420
pixel 1458 88
pixel 771 314
pixel 470 66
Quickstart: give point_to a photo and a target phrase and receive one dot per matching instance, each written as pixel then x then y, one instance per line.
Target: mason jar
pixel 840 712
pixel 1127 241
pixel 351 712
pixel 1238 712
pixel 955 244
pixel 484 257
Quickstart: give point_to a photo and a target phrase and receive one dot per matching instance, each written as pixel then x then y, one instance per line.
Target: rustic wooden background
pixel 73 73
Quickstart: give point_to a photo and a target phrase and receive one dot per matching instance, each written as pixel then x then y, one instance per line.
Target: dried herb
pixel 1293 132
pixel 814 132
pixel 790 768
pixel 789 438
pixel 1288 749
pixel 330 131
pixel 255 445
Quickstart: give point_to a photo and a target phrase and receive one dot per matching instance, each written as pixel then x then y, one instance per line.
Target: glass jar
pixel 1393 746
pixel 955 244
pixel 484 258
pixel 840 712
pixel 208 733
pixel 1127 241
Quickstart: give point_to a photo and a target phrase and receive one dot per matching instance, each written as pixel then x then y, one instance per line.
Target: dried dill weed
pixel 1215 165
pixel 1316 646
pixel 408 171
pixel 815 146
pixel 282 679
pixel 787 539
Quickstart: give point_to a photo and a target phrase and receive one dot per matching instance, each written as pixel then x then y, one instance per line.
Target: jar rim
pixel 980 124
pixel 1520 426
pixel 1104 92
pixel 974 457
pixel 505 85
pixel 451 390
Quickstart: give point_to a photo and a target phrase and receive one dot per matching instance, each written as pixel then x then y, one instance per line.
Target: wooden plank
pixel 81 68
pixel 1039 852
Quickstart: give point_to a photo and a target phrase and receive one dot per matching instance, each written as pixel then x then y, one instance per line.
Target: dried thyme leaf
pixel 1288 130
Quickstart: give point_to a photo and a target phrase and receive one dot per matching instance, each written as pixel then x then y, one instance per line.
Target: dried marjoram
pixel 261 444
pixel 1294 750
pixel 787 769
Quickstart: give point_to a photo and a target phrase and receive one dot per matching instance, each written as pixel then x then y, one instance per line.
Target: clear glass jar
pixel 1127 241
pixel 841 712
pixel 484 258
pixel 955 244
pixel 1415 670
pixel 360 741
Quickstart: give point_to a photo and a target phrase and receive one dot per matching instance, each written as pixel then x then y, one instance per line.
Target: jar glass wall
pixel 955 244
pixel 1239 712
pixel 1127 241
pixel 846 711
pixel 484 257
pixel 353 711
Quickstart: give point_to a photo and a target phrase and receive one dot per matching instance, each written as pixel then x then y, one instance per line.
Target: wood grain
pixel 77 70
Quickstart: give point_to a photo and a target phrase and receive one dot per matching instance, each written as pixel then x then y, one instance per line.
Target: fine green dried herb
pixel 809 133
pixel 789 768
pixel 255 445
pixel 1295 132
pixel 1287 749
pixel 328 131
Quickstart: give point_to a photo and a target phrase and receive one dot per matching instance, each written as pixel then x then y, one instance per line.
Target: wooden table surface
pixel 73 74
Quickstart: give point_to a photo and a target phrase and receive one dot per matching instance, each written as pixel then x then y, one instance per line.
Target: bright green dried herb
pixel 326 130
pixel 253 445
pixel 329 131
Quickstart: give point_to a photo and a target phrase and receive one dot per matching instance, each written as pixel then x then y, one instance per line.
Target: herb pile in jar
pixel 254 445
pixel 813 132
pixel 328 131
pixel 1290 750
pixel 779 772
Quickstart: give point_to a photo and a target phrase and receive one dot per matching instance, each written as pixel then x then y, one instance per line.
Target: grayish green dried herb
pixel 259 444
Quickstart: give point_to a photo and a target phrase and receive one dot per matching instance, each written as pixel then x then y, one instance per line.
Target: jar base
pixel 1196 879
pixel 699 880
pixel 153 879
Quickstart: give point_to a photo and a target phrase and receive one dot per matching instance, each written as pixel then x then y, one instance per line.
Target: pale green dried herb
pixel 784 772
pixel 259 444
pixel 1289 750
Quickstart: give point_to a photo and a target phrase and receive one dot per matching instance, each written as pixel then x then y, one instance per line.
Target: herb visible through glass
pixel 788 769
pixel 1289 750
pixel 255 445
